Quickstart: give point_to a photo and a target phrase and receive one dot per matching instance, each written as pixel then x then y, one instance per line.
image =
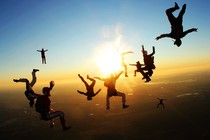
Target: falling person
pixel 90 88
pixel 29 93
pixel 43 55
pixel 110 83
pixel 176 25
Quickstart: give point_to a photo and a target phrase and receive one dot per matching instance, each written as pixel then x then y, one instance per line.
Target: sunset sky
pixel 78 32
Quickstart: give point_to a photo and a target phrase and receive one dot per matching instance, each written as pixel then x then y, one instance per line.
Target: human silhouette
pixel 43 55
pixel 139 69
pixel 176 25
pixel 90 88
pixel 161 102
pixel 148 61
pixel 29 93
pixel 43 106
pixel 123 62
pixel 110 83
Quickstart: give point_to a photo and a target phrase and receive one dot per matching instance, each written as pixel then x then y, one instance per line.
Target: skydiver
pixel 110 83
pixel 176 25
pixel 90 88
pixel 43 55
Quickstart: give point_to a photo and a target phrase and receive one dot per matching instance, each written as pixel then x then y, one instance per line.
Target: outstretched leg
pixel 169 14
pixel 86 84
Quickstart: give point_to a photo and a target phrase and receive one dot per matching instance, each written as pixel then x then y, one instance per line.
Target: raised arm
pixel 153 51
pixel 52 83
pixel 39 51
pixel 45 50
pixel 162 36
pixel 118 75
pixel 189 31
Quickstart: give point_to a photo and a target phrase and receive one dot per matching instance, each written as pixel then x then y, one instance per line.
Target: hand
pixel 52 83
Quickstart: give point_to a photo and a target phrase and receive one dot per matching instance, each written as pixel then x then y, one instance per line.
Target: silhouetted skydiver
pixel 110 82
pixel 139 69
pixel 148 61
pixel 29 93
pixel 43 55
pixel 123 62
pixel 161 102
pixel 176 25
pixel 90 88
pixel 43 106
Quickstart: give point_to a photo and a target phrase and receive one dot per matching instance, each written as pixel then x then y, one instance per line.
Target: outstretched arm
pixel 189 31
pixel 81 92
pixel 162 36
pixel 39 51
pixel 97 92
pixel 132 64
pixel 45 50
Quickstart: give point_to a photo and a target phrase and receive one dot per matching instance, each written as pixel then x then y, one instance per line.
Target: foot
pixel 125 106
pixel 66 128
pixel 107 108
pixel 148 80
pixel 176 6
pixel 15 80
pixel 126 75
pixel 143 78
pixel 184 6
pixel 35 70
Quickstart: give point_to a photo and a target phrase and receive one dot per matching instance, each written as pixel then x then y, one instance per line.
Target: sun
pixel 109 61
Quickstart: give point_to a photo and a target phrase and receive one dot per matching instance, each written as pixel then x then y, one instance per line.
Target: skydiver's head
pixel 46 91
pixel 89 98
pixel 178 42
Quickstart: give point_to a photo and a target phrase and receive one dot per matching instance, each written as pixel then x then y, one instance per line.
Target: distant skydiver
pixel 176 25
pixel 161 103
pixel 110 83
pixel 123 62
pixel 90 88
pixel 43 55
pixel 29 93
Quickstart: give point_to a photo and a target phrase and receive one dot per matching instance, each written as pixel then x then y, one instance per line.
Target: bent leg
pixel 86 84
pixel 93 82
pixel 169 14
pixel 33 81
pixel 62 119
pixel 180 16
pixel 123 97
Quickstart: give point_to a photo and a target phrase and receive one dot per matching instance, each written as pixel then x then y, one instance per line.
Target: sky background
pixel 77 32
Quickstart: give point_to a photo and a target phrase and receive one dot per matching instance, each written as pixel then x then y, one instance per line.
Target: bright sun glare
pixel 109 61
